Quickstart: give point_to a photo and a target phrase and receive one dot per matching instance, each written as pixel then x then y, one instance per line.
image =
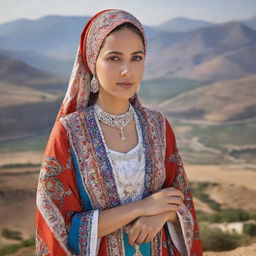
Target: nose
pixel 126 69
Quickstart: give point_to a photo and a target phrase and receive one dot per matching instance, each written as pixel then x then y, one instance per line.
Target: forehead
pixel 123 39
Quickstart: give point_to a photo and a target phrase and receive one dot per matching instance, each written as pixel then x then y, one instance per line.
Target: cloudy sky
pixel 149 12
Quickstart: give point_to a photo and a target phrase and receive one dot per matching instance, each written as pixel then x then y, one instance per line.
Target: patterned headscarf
pixel 93 35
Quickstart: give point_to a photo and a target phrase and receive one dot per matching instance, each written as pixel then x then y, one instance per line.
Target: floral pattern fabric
pixel 56 209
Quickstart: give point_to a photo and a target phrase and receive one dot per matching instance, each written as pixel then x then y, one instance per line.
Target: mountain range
pixel 188 48
pixel 205 73
pixel 218 52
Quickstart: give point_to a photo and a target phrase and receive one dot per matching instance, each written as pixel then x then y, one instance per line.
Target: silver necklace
pixel 117 121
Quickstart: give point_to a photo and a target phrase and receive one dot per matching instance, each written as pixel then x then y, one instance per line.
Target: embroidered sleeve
pixel 186 235
pixel 82 237
pixel 60 220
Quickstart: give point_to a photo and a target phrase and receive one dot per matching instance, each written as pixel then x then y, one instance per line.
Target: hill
pixel 19 73
pixel 183 54
pixel 181 24
pixel 251 23
pixel 29 99
pixel 219 101
pixel 42 62
pixel 53 35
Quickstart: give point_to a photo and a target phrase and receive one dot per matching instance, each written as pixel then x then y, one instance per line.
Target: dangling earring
pixel 94 85
pixel 137 91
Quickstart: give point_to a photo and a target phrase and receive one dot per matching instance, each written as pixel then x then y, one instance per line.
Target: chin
pixel 126 97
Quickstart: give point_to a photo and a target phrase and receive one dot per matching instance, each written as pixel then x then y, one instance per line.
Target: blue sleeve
pixel 83 233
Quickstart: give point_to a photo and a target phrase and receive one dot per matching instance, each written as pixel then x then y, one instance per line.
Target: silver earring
pixel 94 85
pixel 137 91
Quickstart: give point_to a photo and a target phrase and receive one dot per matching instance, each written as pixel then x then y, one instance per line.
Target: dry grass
pixel 222 174
pixel 12 95
pixel 17 204
pixel 241 251
pixel 20 158
pixel 24 252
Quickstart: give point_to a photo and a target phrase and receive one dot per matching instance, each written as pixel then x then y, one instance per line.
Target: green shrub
pixel 225 215
pixel 214 239
pixel 9 249
pixel 202 216
pixel 11 234
pixel 232 215
pixel 253 215
pixel 249 229
pixel 198 192
pixel 28 242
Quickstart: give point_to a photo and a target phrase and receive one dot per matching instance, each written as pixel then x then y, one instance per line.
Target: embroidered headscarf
pixel 92 37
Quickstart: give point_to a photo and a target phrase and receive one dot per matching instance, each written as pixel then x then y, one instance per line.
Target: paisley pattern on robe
pixel 80 172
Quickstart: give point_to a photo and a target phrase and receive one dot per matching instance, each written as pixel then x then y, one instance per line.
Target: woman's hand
pixel 144 229
pixel 172 217
pixel 165 200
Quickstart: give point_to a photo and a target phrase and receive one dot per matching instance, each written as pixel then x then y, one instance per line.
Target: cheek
pixel 140 68
pixel 106 73
pixel 103 68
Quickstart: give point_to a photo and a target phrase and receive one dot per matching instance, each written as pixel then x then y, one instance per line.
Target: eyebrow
pixel 119 53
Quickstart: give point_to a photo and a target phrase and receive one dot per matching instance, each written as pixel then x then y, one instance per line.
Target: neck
pixel 113 106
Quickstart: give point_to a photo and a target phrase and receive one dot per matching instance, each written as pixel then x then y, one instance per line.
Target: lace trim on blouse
pixel 128 168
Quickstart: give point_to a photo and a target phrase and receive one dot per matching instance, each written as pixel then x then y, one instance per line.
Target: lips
pixel 125 84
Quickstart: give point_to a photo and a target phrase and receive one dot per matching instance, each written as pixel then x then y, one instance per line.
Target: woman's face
pixel 120 64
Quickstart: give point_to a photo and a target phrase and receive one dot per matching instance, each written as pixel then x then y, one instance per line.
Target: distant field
pixel 198 143
pixel 155 91
pixel 204 144
pixel 34 143
pixel 217 136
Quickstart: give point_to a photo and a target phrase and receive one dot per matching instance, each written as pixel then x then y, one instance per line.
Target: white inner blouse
pixel 128 168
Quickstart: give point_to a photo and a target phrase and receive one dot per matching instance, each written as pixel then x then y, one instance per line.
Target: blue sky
pixel 149 12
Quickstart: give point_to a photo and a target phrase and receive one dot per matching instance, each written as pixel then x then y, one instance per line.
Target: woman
pixel 112 181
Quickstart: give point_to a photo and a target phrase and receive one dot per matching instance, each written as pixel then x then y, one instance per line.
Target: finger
pixel 175 200
pixel 173 207
pixel 148 239
pixel 175 192
pixel 140 239
pixel 178 193
pixel 133 235
pixel 182 195
pixel 127 228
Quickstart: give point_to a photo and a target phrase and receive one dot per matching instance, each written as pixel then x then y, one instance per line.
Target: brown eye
pixel 113 58
pixel 137 58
